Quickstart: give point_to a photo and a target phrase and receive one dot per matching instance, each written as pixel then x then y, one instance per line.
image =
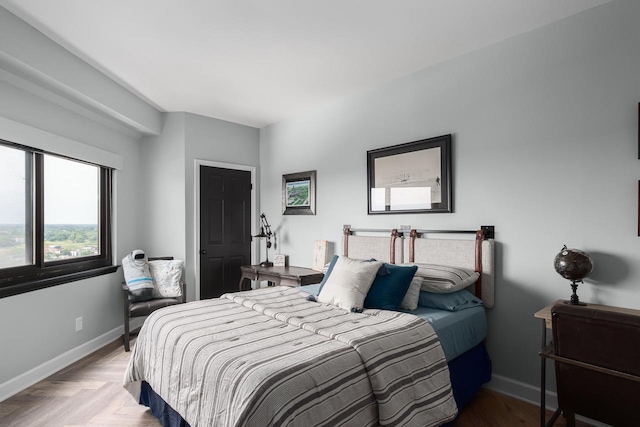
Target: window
pixel 55 219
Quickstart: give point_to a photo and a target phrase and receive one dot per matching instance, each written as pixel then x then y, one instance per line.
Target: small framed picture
pixel 279 260
pixel 299 193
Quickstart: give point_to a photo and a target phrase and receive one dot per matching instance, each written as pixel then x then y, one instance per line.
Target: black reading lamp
pixel 265 232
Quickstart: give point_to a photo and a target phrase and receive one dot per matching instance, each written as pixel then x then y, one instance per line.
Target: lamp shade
pixel 573 264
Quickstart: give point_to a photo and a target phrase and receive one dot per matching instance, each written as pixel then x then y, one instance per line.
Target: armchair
pixel 144 308
pixel 596 353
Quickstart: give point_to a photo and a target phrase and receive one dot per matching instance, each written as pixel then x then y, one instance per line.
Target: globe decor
pixel 575 265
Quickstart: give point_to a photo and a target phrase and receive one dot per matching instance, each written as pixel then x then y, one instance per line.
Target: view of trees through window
pixel 61 241
pixel 71 208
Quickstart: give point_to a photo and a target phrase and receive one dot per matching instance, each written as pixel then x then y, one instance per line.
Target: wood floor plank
pixel 89 393
pixel 491 409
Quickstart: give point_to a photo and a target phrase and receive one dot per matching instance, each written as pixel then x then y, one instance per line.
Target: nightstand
pixel 284 276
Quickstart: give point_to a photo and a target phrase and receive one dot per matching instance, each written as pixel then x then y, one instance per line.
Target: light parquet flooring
pixel 89 393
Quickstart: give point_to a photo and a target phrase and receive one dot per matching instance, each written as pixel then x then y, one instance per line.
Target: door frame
pixel 196 198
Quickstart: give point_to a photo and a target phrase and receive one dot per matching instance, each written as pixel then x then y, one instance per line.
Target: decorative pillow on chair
pixel 443 279
pixel 348 282
pixel 137 276
pixel 387 291
pixel 166 275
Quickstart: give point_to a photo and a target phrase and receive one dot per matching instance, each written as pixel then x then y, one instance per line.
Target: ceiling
pixel 257 62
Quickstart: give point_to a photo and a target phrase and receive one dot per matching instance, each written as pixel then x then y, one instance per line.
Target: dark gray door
pixel 225 229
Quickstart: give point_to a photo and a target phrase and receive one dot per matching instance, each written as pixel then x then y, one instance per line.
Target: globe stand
pixel 574 297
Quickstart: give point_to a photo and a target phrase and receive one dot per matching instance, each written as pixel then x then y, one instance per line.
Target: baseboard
pixel 530 394
pixel 50 367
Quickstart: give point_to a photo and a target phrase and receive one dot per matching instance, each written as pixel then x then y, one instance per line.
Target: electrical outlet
pixel 78 324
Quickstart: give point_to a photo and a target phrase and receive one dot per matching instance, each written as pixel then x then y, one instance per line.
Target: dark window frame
pixel 41 274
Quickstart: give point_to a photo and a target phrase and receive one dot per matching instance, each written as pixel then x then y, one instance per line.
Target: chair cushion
pixel 144 308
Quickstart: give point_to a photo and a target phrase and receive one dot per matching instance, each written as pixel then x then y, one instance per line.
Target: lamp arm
pixel 265 224
pixel 265 231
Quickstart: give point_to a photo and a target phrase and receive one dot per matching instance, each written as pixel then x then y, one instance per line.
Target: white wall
pixel 167 173
pixel 40 325
pixel 162 195
pixel 38 334
pixel 545 148
pixel 46 90
pixel 214 140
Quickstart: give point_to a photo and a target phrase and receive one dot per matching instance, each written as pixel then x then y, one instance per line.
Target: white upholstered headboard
pixel 418 246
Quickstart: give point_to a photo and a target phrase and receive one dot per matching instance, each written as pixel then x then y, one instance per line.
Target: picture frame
pixel 414 177
pixel 279 260
pixel 320 254
pixel 299 193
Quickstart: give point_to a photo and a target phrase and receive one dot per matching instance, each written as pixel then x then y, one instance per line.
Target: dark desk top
pixel 281 271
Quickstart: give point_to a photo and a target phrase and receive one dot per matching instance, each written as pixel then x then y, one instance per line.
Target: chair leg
pixel 570 418
pixel 126 337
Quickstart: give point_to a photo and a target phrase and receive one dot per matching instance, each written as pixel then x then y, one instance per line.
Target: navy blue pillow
pixel 388 291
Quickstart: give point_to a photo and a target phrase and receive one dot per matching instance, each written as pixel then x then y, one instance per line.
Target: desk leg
pixel 543 377
pixel 244 277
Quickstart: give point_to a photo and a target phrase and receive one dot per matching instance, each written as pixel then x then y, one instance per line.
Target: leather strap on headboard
pixel 347 232
pixel 479 238
pixel 412 245
pixel 345 249
pixel 394 236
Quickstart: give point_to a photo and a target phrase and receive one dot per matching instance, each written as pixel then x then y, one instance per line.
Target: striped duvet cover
pixel 269 357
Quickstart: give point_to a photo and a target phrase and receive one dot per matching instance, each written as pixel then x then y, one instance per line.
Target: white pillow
pixel 444 279
pixel 166 275
pixel 348 284
pixel 410 300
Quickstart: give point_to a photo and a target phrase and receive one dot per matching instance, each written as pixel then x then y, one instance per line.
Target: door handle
pixel 203 251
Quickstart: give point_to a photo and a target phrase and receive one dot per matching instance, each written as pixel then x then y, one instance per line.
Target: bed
pixel 274 356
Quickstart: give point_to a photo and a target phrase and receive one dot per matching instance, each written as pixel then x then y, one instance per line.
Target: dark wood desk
pixel 284 276
pixel 546 351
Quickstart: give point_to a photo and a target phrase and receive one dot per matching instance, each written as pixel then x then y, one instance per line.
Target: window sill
pixel 21 288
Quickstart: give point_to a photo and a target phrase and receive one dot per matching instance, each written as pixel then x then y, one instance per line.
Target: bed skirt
pixel 469 372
